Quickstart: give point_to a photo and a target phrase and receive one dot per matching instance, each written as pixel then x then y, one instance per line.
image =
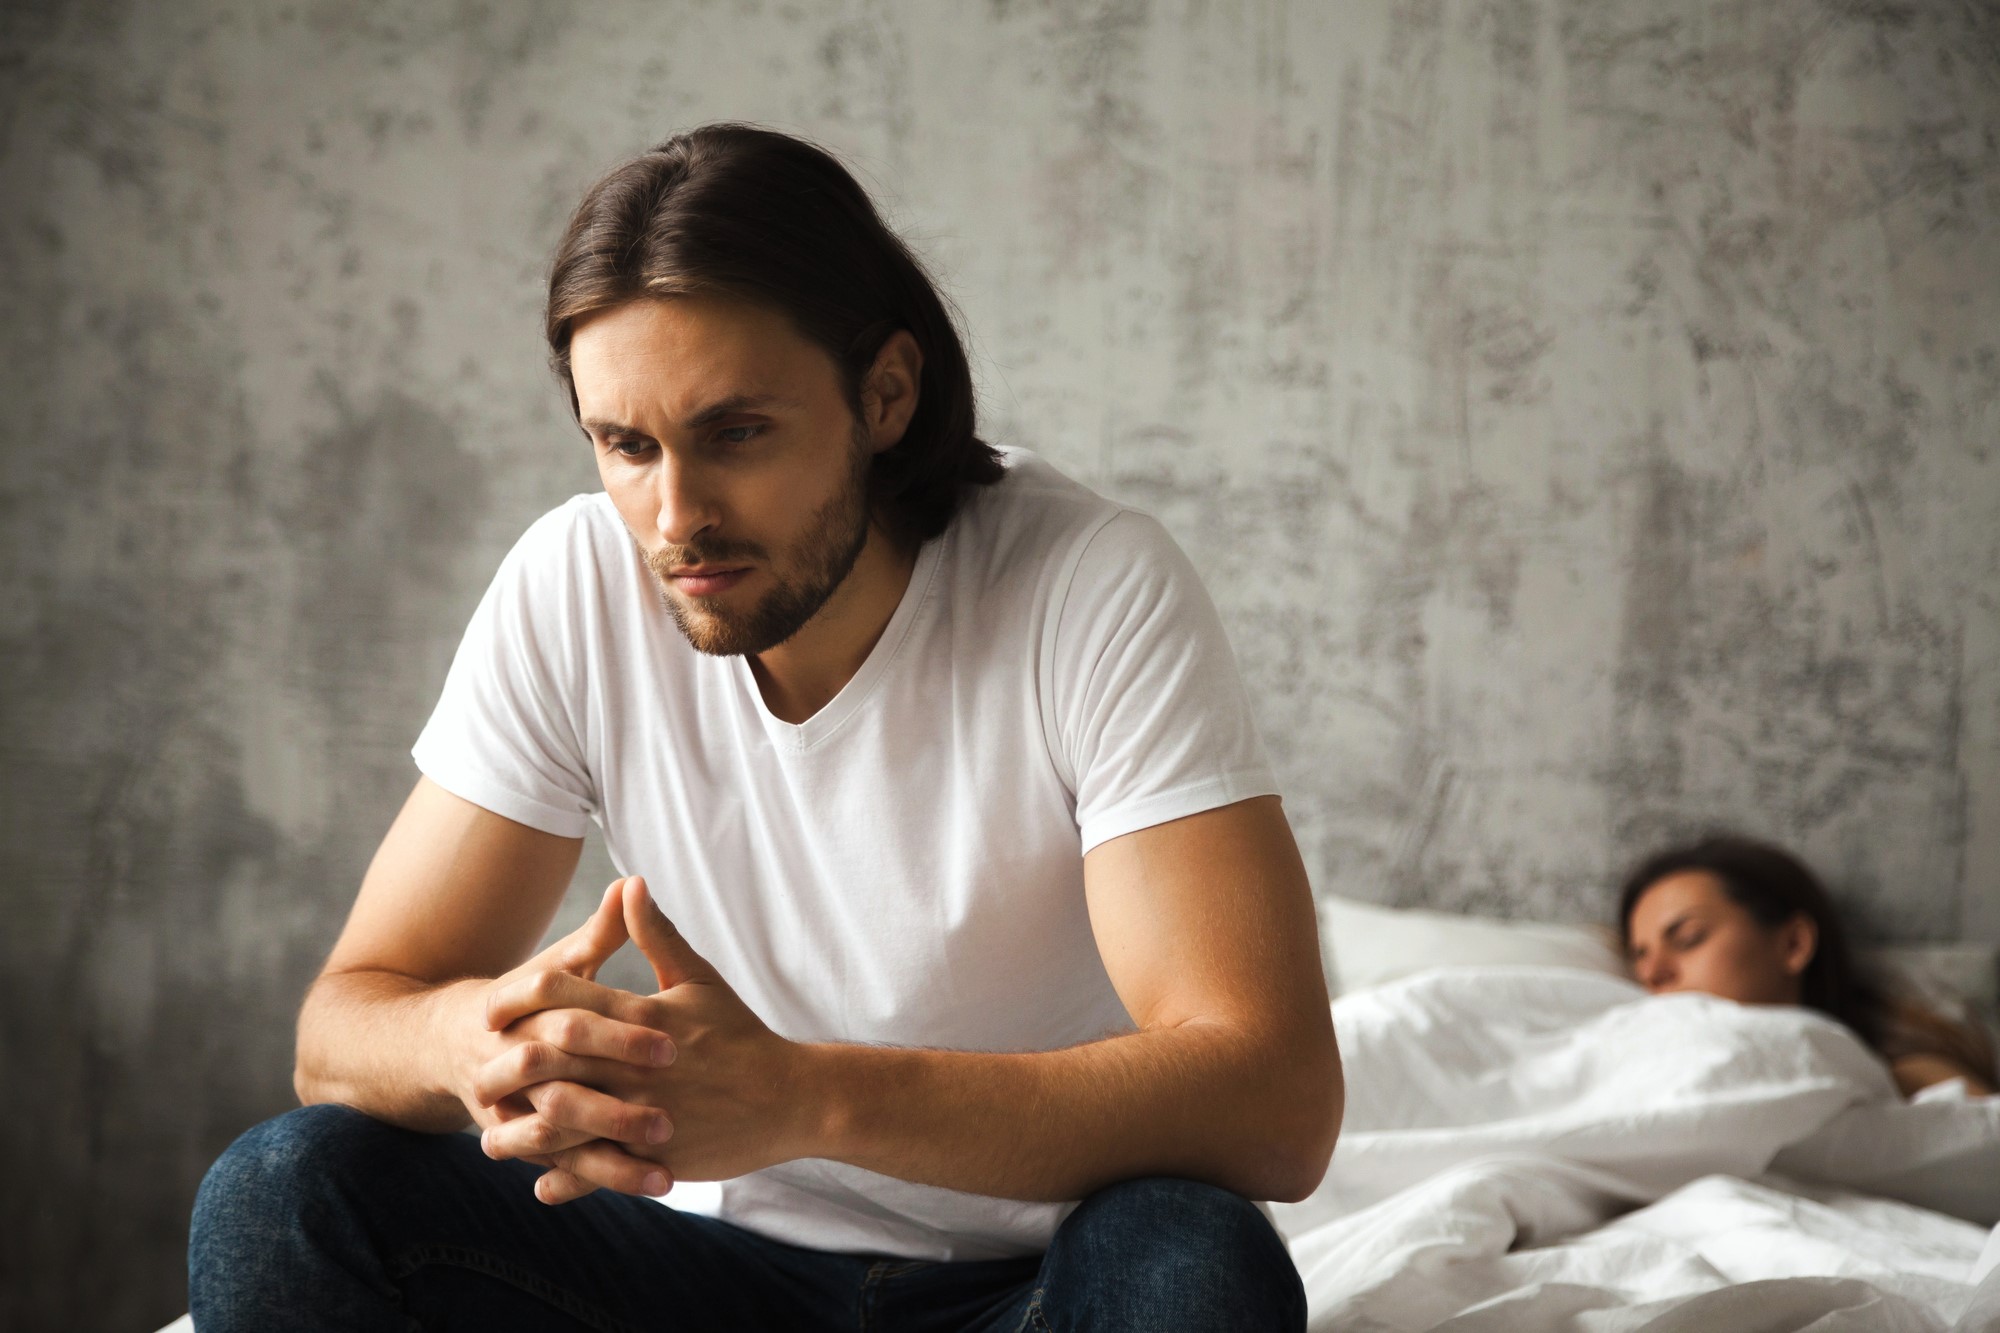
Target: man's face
pixel 726 443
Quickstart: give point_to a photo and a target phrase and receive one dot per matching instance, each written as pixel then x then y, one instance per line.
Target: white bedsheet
pixel 1546 1149
pixel 1535 1150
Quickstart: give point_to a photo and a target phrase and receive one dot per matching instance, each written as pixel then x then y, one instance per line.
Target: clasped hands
pixel 609 1089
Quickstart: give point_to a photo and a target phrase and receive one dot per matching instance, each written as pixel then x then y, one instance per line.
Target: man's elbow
pixel 1320 1098
pixel 309 1082
pixel 312 1078
pixel 306 1088
pixel 1290 1130
pixel 305 1083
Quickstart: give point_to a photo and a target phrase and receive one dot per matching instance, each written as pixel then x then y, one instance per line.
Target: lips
pixel 700 582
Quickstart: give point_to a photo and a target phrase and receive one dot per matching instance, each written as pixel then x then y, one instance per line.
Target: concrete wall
pixel 1584 413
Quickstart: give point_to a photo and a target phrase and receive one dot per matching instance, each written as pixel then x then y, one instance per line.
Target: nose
pixel 685 500
pixel 1656 972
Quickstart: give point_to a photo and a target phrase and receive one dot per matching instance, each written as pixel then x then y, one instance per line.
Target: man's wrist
pixel 457 1017
pixel 824 1097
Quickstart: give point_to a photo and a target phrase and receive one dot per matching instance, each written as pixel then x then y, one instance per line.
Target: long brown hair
pixel 742 211
pixel 1774 886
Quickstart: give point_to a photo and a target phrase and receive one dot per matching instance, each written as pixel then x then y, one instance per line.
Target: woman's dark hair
pixel 1774 886
pixel 741 211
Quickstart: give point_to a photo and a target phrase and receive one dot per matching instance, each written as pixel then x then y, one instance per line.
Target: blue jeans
pixel 326 1219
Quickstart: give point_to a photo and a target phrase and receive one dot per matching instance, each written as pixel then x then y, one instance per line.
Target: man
pixel 979 900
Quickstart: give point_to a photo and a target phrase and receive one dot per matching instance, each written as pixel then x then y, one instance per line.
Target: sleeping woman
pixel 1751 923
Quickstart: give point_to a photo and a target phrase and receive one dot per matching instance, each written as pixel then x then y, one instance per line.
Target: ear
pixel 890 389
pixel 1798 943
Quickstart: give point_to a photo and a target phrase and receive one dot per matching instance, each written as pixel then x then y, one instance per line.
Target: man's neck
pixel 803 674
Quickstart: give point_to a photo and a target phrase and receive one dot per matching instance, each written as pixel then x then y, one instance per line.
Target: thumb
pixel 673 958
pixel 590 945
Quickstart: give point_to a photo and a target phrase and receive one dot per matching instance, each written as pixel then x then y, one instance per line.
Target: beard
pixel 818 563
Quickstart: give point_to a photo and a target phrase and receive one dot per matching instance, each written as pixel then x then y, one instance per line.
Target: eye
pixel 629 447
pixel 738 434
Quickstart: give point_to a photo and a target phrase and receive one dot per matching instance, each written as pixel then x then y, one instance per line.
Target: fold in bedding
pixel 1541 1148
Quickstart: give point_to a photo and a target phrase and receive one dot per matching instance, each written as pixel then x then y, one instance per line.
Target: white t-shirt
pixel 905 866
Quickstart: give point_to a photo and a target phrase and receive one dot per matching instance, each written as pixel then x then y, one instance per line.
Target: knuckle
pixel 620 1170
pixel 558 1104
pixel 544 1137
pixel 536 1057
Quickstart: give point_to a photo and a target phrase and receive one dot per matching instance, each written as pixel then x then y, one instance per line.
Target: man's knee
pixel 1149 1248
pixel 293 1201
pixel 301 1152
pixel 309 1163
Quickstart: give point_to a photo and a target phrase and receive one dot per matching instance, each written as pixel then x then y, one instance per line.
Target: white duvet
pixel 1544 1149
pixel 1538 1150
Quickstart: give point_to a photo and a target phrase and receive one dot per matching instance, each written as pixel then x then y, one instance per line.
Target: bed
pixel 1531 1143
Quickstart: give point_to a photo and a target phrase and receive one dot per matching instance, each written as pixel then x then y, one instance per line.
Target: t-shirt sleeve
pixel 1151 718
pixel 504 734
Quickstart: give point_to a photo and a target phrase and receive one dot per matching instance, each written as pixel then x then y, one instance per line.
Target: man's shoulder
pixel 1035 487
pixel 575 538
pixel 1039 518
pixel 1033 517
pixel 588 516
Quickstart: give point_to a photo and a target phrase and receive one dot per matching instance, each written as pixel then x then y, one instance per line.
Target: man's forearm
pixel 377 1041
pixel 1197 1101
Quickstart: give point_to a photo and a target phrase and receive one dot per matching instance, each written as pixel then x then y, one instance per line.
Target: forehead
pixel 673 356
pixel 1678 893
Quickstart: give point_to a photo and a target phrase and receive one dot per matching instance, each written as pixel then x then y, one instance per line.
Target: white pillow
pixel 1365 945
pixel 1362 944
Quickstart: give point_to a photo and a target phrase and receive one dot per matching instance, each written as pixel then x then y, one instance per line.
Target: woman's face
pixel 1688 934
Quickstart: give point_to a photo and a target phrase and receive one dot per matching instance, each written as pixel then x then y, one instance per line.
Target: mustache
pixel 669 558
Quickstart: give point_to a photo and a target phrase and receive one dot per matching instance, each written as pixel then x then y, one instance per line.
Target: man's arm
pixel 1206 927
pixel 455 897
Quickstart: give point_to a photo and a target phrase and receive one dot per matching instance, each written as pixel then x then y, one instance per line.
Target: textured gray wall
pixel 1584 413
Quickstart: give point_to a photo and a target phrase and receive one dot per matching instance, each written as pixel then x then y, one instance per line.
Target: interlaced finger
pixel 531 1138
pixel 568 1114
pixel 600 1165
pixel 519 1067
pixel 532 990
pixel 582 1032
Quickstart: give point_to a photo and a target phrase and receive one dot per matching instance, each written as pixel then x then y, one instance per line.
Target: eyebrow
pixel 708 416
